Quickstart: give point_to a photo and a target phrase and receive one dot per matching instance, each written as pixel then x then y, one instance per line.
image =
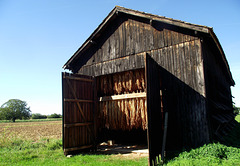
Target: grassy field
pixel 39 143
pixel 50 152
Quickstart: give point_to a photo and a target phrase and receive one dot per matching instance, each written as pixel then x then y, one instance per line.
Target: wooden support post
pixel 164 136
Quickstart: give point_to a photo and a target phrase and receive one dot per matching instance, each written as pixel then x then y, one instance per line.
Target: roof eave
pixel 88 41
pixel 214 37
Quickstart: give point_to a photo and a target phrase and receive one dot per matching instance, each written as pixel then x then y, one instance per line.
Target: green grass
pixel 233 138
pixel 49 152
pixel 211 154
pixel 31 120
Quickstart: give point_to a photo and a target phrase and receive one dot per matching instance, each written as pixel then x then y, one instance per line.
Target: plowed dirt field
pixel 32 130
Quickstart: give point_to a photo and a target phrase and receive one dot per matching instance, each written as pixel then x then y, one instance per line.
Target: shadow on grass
pixel 116 149
pixel 231 139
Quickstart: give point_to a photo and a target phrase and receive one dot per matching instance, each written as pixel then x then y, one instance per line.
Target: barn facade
pixel 160 78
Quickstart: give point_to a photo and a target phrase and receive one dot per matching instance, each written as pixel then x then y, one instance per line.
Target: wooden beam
pixel 77 78
pixel 78 124
pixel 77 148
pixel 164 136
pixel 78 100
pixel 123 96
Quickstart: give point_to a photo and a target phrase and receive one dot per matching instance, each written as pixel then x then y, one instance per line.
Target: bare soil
pixel 33 130
pixel 126 151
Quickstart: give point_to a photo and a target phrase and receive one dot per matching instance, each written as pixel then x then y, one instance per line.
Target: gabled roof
pixel 113 14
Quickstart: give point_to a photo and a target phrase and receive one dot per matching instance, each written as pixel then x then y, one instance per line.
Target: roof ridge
pixel 125 10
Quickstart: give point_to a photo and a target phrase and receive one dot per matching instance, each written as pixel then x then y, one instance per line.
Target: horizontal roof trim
pixel 163 19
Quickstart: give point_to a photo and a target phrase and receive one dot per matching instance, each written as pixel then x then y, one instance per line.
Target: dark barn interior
pixel 146 79
pixel 121 110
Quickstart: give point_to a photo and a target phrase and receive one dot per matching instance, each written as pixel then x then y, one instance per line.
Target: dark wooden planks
pixel 78 105
pixel 182 60
pixel 185 98
pixel 217 87
pixel 187 113
pixel 132 62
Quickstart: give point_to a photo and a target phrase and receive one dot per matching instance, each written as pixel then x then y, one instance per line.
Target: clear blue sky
pixel 38 36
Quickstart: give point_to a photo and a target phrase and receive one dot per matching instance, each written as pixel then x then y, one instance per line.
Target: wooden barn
pixel 149 78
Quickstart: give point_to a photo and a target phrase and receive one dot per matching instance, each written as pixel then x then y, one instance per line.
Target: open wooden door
pixel 154 109
pixel 78 112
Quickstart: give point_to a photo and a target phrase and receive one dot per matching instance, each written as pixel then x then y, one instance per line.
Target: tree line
pixel 17 109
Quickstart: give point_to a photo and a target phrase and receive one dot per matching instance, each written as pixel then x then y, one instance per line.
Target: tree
pixel 15 109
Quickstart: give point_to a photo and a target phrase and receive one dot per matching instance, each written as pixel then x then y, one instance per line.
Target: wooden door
pixel 78 112
pixel 154 109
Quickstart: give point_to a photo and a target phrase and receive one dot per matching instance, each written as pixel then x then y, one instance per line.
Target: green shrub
pixel 236 110
pixel 237 118
pixel 38 116
pixel 55 115
pixel 215 154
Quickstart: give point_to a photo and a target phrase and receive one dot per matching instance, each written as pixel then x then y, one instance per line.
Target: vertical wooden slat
pixel 169 36
pixel 128 37
pixel 165 36
pixel 132 37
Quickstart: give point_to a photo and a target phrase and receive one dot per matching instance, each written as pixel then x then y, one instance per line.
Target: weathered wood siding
pixel 218 90
pixel 185 62
pixel 187 124
pixel 126 43
pixel 133 36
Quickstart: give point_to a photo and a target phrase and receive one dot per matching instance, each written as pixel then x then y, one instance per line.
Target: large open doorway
pixel 123 108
